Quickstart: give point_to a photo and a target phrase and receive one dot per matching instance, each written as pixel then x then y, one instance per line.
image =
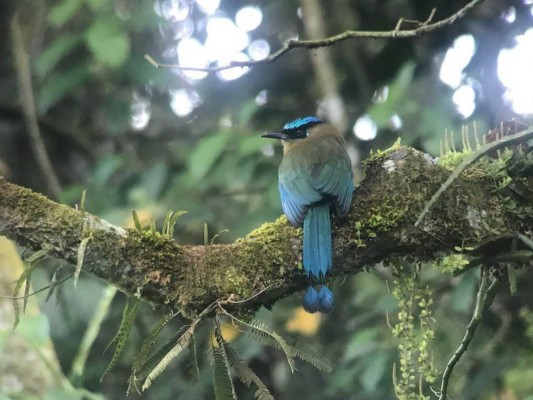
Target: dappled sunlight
pixel 515 66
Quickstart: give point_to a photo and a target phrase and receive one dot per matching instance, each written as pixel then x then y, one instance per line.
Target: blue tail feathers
pixel 318 301
pixel 325 300
pixel 318 257
pixel 311 303
pixel 317 241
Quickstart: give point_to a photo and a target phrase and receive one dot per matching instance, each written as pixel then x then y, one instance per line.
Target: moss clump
pixel 376 155
pixel 451 263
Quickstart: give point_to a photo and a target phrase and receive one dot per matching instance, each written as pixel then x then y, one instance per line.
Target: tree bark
pixel 266 264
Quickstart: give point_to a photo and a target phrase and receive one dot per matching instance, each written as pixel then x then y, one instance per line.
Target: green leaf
pixel 106 168
pixel 250 145
pixel 128 318
pixel 396 99
pixel 59 85
pixel 96 5
pixel 245 373
pixel 35 329
pixel 108 42
pixel 153 180
pixel 162 359
pixel 222 382
pixel 264 335
pixel 207 153
pixel 54 53
pixel 25 278
pixel 374 371
pixel 194 367
pixel 63 11
pixel 148 343
pixel 363 342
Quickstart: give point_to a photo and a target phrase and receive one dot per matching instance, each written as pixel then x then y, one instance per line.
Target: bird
pixel 315 175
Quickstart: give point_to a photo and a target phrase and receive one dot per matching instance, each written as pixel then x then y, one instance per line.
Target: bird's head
pixel 299 128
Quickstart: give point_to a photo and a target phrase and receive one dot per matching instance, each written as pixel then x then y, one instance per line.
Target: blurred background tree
pixel 156 139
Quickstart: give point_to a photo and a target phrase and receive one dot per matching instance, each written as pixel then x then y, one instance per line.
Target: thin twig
pixel 505 141
pixel 251 297
pixel 25 90
pixel 37 291
pixel 424 27
pixel 485 295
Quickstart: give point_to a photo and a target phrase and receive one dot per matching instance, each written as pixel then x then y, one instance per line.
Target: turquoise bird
pixel 314 175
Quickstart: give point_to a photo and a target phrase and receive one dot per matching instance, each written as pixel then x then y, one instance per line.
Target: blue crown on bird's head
pixel 302 123
pixel 295 129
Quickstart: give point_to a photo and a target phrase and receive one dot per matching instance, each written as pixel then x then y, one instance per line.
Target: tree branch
pixel 266 264
pixel 485 295
pixel 23 73
pixel 396 33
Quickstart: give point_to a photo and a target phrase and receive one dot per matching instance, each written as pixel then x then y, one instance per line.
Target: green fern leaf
pixel 163 359
pixel 24 278
pixel 149 342
pixel 141 371
pixel 245 373
pixel 222 382
pixel 310 356
pixel 263 334
pixel 128 318
pixel 263 394
pixel 194 367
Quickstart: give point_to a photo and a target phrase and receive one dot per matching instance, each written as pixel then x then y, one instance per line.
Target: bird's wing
pixel 312 171
pixel 296 195
pixel 335 179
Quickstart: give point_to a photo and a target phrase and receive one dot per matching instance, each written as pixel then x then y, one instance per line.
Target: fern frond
pixel 141 371
pixel 181 343
pixel 222 382
pixel 245 374
pixel 262 333
pixel 128 318
pixel 194 367
pixel 310 356
pixel 148 343
pixel 24 278
pixel 263 394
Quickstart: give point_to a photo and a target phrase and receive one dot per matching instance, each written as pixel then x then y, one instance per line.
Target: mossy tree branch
pixel 380 225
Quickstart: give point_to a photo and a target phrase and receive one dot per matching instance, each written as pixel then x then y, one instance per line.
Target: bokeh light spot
pixel 249 18
pixel 464 99
pixel 456 59
pixel 208 6
pixel 191 53
pixel 184 101
pixel 259 49
pixel 365 128
pixel 233 73
pixel 515 66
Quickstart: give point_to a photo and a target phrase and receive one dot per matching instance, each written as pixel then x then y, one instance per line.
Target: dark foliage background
pixel 93 90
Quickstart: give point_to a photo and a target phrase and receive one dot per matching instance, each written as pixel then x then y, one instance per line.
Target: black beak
pixel 276 135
